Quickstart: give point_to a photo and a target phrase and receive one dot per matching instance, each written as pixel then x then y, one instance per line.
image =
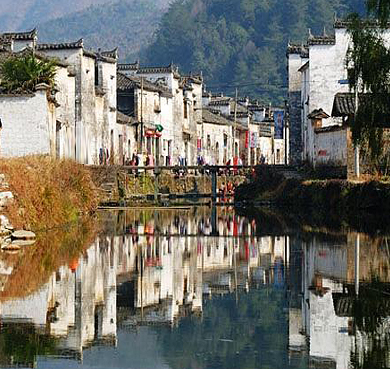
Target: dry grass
pixel 48 192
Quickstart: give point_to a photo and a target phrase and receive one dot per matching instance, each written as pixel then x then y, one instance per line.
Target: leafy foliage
pixel 24 73
pixel 240 42
pixel 368 62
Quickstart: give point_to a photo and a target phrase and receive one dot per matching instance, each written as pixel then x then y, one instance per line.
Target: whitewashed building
pixel 319 89
pixel 95 128
pixel 79 119
pixel 179 115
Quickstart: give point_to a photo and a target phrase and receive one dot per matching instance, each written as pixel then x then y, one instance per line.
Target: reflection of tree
pixel 230 335
pixel 371 310
pixel 21 343
pixel 53 249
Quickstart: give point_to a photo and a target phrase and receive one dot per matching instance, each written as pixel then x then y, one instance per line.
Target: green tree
pixel 24 73
pixel 240 42
pixel 368 63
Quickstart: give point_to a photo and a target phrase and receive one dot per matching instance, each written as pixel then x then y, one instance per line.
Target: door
pixel 121 156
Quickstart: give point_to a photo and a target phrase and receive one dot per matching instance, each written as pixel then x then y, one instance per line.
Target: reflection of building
pixel 321 303
pixel 78 306
pixel 154 269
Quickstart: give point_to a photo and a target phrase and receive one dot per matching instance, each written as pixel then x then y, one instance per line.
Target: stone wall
pixel 131 185
pixel 113 184
pixel 295 141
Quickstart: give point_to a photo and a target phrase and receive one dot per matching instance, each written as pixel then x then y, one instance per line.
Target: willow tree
pixel 368 63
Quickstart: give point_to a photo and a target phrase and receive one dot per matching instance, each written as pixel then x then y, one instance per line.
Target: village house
pixel 321 104
pixel 181 114
pixel 149 106
pixel 96 133
pixel 102 112
pixel 215 134
pixel 77 119
pixel 30 119
pixel 253 132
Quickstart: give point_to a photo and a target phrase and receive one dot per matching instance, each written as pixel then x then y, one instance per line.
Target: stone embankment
pixel 343 196
pixel 11 240
pixel 116 185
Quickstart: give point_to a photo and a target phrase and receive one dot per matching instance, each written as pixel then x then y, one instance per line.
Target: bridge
pixel 112 176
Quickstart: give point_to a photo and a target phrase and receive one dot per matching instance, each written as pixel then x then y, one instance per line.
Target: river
pixel 192 288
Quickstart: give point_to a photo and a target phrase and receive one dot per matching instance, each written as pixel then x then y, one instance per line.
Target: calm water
pixel 195 289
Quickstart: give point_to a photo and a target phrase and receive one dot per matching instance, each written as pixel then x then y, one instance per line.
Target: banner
pixel 253 140
pixel 279 124
pixel 199 144
pixel 246 139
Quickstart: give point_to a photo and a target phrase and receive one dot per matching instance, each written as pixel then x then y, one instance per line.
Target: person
pixel 100 156
pixel 222 190
pixel 262 159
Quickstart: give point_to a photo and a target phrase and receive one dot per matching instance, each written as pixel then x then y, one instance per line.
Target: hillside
pixel 128 24
pixel 22 14
pixel 241 42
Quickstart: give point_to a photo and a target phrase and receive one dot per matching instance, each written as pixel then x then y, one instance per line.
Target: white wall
pixel 65 97
pixel 27 125
pixel 331 146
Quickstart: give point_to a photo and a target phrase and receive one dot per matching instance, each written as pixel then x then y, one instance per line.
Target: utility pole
pixel 142 116
pixel 235 125
pixel 357 149
pixel 286 126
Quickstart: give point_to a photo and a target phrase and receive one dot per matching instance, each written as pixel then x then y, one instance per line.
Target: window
pixel 96 74
pixel 185 110
pixel 208 142
pixel 225 140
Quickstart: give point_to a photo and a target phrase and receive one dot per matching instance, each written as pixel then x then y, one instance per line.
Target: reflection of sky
pixel 134 351
pixel 245 334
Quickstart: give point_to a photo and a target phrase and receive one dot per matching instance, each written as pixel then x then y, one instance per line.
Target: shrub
pixel 48 192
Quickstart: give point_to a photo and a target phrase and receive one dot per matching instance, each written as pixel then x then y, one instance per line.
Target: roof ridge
pixel 28 35
pixel 79 44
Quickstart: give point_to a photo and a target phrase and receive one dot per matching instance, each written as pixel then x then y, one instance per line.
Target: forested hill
pixel 129 24
pixel 241 42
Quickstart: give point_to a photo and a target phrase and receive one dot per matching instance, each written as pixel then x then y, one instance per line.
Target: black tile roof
pixel 65 45
pixel 128 66
pixel 214 117
pixel 321 40
pixel 343 104
pixel 225 101
pixel 112 54
pixel 150 70
pixel 128 83
pixel 156 70
pixel 30 35
pixel 318 114
pixel 299 49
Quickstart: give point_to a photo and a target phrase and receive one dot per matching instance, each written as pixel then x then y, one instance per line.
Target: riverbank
pixel 344 199
pixel 45 193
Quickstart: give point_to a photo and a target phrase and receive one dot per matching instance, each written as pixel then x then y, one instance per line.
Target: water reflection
pixel 193 288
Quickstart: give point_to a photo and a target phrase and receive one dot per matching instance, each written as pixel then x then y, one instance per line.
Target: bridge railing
pixel 199 167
